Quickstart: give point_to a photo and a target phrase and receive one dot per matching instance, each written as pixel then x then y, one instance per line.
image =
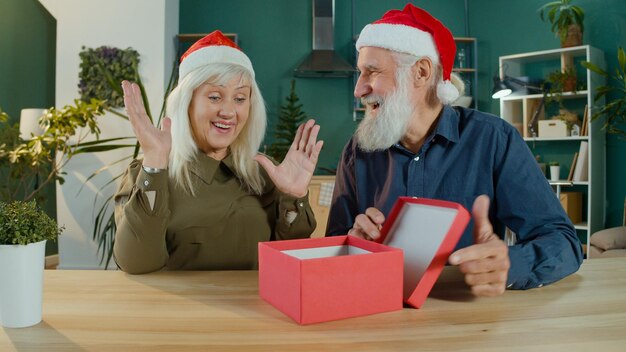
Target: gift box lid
pixel 428 231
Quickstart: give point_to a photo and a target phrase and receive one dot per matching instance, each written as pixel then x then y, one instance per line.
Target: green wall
pixel 27 56
pixel 27 64
pixel 276 34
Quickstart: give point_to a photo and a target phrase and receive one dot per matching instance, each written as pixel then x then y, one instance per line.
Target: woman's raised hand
pixel 294 174
pixel 156 144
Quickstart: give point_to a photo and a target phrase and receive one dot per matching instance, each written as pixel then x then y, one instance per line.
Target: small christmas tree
pixel 291 116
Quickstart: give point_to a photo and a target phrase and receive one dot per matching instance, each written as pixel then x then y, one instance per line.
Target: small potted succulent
pixel 24 230
pixel 555 171
pixel 566 19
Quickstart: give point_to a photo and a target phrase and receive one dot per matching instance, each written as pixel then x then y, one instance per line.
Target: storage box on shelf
pixel 558 145
pixel 553 128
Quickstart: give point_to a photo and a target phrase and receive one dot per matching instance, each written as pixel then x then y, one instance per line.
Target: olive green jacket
pixel 217 229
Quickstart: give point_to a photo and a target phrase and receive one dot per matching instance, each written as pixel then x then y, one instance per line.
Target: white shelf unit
pixel 518 109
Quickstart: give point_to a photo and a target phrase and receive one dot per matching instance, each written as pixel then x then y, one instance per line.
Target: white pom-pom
pixel 447 92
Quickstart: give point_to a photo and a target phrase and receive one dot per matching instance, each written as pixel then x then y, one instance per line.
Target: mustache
pixel 372 99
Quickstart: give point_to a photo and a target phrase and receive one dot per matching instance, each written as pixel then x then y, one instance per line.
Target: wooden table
pixel 211 311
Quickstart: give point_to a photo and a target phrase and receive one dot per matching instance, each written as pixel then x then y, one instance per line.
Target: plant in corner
pixel 24 160
pixel 615 110
pixel 24 230
pixel 566 19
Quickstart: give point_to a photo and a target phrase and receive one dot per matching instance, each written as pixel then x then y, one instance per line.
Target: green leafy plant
pixel 290 117
pixel 561 15
pixel 615 109
pixel 120 65
pixel 557 83
pixel 13 176
pixel 24 160
pixel 24 222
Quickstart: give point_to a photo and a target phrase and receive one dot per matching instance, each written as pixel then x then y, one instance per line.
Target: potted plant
pixel 555 171
pixel 615 109
pixel 24 230
pixel 566 20
pixel 558 82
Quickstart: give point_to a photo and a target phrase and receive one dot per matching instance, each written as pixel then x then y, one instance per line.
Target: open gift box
pixel 322 279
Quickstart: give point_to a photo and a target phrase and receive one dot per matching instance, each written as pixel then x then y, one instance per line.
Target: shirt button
pixel 301 204
pixel 146 183
pixel 417 158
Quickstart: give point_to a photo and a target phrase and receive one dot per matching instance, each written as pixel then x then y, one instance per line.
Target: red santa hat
pixel 213 48
pixel 414 31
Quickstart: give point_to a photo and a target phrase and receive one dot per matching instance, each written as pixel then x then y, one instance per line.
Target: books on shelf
pixel 581 172
pixel 583 128
pixel 570 177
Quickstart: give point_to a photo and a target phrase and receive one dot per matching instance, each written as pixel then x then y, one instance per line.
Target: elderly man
pixel 413 143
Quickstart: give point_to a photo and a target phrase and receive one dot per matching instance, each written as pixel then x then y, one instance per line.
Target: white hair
pixel 243 148
pixel 404 59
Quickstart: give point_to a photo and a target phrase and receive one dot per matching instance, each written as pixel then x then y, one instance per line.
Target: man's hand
pixel 368 225
pixel 485 263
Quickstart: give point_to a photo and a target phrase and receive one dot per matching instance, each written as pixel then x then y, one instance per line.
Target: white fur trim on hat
pixel 214 54
pixel 400 38
pixel 447 92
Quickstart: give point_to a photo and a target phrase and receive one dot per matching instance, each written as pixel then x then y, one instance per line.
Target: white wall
pixel 148 26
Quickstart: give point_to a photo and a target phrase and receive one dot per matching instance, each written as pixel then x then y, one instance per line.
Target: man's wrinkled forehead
pixel 374 59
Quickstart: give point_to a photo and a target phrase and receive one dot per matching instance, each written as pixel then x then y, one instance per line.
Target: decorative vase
pixel 21 284
pixel 574 36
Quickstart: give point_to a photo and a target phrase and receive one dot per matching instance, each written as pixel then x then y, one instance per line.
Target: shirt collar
pixel 206 167
pixel 448 125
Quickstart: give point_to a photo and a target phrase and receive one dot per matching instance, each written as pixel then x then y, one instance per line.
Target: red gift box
pixel 322 279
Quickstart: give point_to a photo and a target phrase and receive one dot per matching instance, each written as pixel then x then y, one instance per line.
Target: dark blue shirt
pixel 469 153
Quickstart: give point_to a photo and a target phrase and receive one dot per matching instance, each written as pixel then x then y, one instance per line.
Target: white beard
pixel 382 131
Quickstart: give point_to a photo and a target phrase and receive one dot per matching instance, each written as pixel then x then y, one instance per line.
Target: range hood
pixel 323 60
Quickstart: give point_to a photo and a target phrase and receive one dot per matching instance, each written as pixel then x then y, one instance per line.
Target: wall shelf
pixel 518 110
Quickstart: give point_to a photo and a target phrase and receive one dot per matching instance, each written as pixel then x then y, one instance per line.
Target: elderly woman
pixel 199 200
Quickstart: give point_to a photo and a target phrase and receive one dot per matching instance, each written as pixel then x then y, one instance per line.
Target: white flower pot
pixel 21 284
pixel 555 171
